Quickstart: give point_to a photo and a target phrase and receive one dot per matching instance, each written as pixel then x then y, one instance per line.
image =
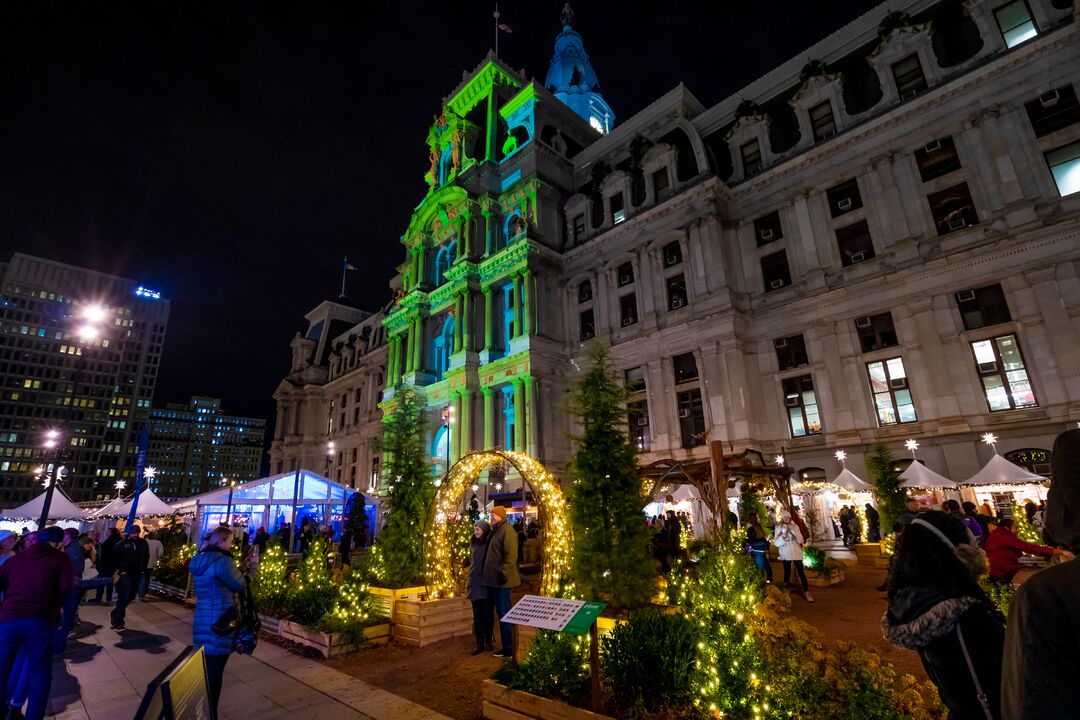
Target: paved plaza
pixel 103 675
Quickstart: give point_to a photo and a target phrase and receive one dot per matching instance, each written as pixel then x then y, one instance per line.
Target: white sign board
pixel 547 613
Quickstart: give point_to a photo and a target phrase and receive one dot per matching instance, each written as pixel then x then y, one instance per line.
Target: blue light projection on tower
pixel 572 79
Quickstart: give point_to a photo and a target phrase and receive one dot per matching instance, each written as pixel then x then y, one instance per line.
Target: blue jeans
pixel 126 587
pixel 33 638
pixel 500 599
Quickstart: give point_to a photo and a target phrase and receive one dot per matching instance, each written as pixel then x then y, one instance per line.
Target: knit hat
pixel 499 511
pixel 483 525
pixel 51 534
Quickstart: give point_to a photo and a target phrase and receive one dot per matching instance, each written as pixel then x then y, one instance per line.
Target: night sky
pixel 230 154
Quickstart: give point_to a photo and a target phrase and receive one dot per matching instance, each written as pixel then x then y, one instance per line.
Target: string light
pixel 445 577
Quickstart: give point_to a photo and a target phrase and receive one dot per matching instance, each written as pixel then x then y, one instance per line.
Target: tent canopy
pixel 110 510
pixel 1000 471
pixel 851 482
pixel 150 505
pixel 918 475
pixel 59 509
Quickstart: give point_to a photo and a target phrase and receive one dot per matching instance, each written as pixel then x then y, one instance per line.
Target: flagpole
pixel 344 269
pixel 496 29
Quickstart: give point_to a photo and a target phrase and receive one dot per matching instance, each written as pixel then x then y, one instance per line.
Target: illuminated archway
pixel 444 578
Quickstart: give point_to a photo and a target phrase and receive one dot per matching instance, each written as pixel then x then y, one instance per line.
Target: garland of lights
pixel 445 577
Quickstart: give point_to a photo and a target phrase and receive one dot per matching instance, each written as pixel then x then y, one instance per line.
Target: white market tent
pixel 1000 471
pixel 110 510
pixel 61 508
pixel 150 505
pixel 851 482
pixel 918 475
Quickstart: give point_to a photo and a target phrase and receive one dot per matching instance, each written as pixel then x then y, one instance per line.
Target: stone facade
pixel 876 241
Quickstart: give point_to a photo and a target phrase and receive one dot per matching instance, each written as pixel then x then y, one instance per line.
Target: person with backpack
pixel 217 580
pixel 105 565
pixel 130 558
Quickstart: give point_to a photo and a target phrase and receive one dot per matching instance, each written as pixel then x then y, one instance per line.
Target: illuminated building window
pixel 1004 376
pixel 1015 22
pixel 892 396
pixel 1065 167
pixel 801 403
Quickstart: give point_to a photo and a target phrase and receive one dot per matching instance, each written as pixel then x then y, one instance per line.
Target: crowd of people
pixel 44 577
pixel 985 667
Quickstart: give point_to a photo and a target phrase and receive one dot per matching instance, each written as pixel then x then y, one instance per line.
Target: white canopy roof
pixel 109 510
pixel 59 509
pixel 852 482
pixel 918 475
pixel 1000 471
pixel 150 505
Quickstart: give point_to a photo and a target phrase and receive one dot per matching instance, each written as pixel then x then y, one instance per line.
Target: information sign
pixel 548 613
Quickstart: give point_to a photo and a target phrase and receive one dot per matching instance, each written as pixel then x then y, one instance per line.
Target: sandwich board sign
pixel 560 614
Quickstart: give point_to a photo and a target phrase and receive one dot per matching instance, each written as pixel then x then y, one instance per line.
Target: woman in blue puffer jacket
pixel 217 579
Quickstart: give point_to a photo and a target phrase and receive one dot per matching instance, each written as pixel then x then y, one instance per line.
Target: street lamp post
pixel 91 318
pixel 330 446
pixel 448 421
pixel 228 511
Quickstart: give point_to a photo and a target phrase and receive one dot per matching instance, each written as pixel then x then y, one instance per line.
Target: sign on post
pixel 560 614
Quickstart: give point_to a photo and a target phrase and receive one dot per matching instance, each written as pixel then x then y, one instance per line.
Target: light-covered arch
pixel 444 577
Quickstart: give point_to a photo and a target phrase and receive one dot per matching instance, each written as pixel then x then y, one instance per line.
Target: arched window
pixel 508 417
pixel 513 226
pixel 441 447
pixel 443 260
pixel 444 347
pixel 1033 460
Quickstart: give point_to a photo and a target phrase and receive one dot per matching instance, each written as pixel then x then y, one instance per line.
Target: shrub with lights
pixel 271 588
pixel 409 489
pixel 888 493
pixel 1023 528
pixel 172 569
pixel 612 544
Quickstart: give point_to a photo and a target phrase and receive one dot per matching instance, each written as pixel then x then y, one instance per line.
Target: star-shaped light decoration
pixel 991 440
pixel 150 472
pixel 912 445
pixel 498 487
pixel 46 482
pixel 475 487
pixel 841 456
pixel 438 482
pixel 779 460
pixel 120 484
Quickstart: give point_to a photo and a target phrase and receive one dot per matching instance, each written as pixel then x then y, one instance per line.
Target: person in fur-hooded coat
pixel 938 609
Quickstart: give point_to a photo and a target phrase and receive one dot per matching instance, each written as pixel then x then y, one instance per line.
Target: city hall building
pixel 877 241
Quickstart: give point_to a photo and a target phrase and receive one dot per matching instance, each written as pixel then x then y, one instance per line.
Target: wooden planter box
pixel 827 577
pixel 503 704
pixel 525 634
pixel 422 622
pixel 331 644
pixel 868 554
pixel 385 599
pixel 270 624
pixel 185 593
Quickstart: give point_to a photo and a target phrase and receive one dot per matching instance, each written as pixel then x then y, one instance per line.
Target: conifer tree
pixel 886 482
pixel 409 489
pixel 612 558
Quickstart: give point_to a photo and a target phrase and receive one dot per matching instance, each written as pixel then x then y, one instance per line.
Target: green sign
pixel 584 618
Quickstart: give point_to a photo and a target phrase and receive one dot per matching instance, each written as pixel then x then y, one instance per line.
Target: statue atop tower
pixel 572 80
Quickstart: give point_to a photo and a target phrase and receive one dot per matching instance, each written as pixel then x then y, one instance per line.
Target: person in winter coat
pixel 130 557
pixel 1042 642
pixel 217 579
pixel 759 550
pixel 477 592
pixel 938 609
pixel 911 511
pixel 984 520
pixel 501 575
pixel 106 565
pixel 1003 551
pixel 789 540
pixel 953 508
pixel 873 524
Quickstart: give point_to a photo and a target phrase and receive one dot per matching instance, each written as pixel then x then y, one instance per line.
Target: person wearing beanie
pixel 477 592
pixel 33 584
pixel 500 574
pixel 1042 637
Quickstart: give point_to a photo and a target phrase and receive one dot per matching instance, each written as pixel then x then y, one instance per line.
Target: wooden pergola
pixel 713 476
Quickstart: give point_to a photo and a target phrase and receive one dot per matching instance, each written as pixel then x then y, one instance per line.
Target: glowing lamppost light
pixel 991 440
pixel 93 313
pixel 88 333
pixel 51 438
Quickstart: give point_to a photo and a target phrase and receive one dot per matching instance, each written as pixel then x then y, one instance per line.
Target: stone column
pixel 520 415
pixel 391 357
pixel 488 328
pixel 407 336
pixel 487 231
pixel 418 345
pixel 466 422
pixel 488 420
pixel 526 305
pixel 455 426
pixel 517 305
pixel 457 324
pixel 466 338
pixel 420 266
pixel 530 415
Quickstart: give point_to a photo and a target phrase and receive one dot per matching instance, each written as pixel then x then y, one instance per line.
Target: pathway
pixel 104 675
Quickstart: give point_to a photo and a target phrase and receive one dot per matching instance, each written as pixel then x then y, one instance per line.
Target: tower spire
pixel 572 79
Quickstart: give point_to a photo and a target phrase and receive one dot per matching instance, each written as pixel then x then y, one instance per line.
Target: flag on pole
pixel 505 28
pixel 349 265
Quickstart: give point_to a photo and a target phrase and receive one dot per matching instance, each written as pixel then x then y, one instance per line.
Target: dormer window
pixel 1014 20
pixel 751 157
pixel 618 209
pixel 909 77
pixel 822 121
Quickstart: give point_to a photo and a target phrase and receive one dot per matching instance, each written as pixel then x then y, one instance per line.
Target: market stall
pixel 61 510
pixel 1003 485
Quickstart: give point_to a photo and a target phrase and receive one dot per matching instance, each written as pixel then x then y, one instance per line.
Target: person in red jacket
pixel 33 584
pixel 1003 549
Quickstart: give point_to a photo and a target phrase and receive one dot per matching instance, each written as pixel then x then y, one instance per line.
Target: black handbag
pixel 227 623
pixel 247 630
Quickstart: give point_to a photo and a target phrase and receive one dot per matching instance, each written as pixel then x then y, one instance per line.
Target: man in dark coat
pixel 131 556
pixel 501 574
pixel 105 565
pixel 1042 638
